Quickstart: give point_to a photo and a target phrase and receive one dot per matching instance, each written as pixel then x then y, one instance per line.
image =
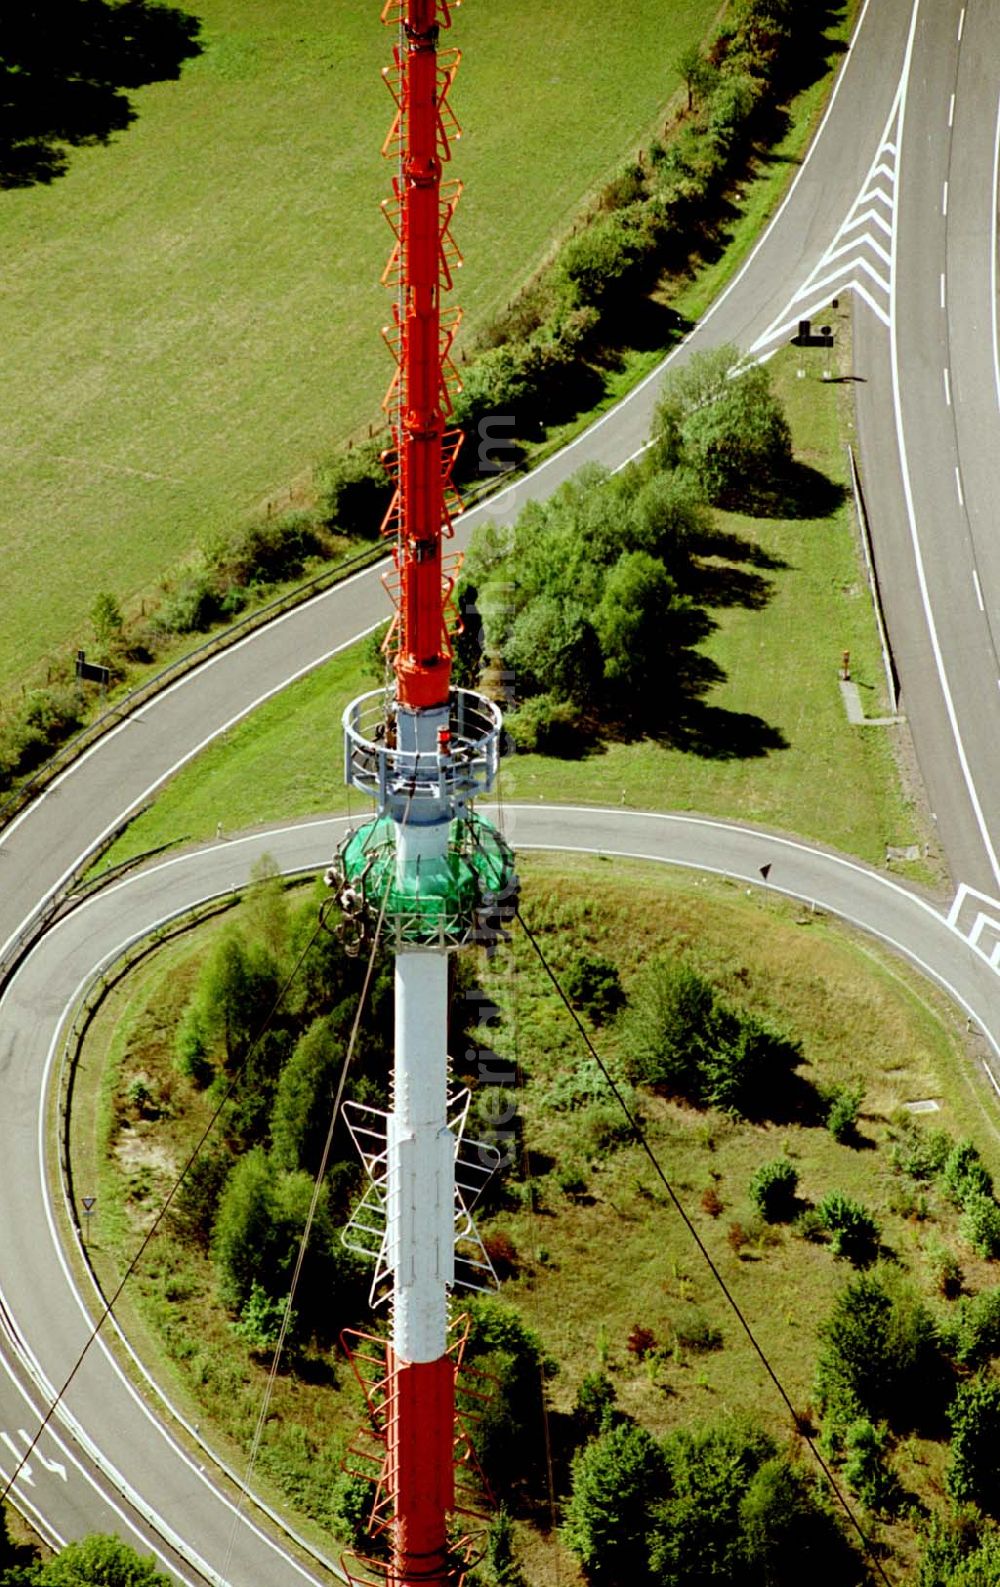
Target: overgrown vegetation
pixel 576 1213
pixel 94 1561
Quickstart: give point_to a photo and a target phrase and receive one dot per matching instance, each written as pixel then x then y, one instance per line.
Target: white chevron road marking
pixel 859 258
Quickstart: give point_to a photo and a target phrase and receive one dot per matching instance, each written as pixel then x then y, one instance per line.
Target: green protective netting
pixel 432 903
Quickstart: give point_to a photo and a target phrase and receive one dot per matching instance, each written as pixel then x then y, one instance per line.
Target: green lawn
pixel 190 316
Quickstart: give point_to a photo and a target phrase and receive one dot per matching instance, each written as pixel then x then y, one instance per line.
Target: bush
pixel 965 1174
pixel 100 1562
pixel 853 1231
pixel 772 1190
pixel 593 985
pixel 546 725
pixel 354 491
pixel 918 1152
pixel 976 1337
pixel 594 1407
pixel 193 606
pixel 980 1225
pixel 842 1114
pixel 867 1469
pixel 974 1418
pixel 617 1480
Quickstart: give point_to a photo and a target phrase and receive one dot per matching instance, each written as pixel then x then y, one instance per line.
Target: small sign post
pixel 87 1203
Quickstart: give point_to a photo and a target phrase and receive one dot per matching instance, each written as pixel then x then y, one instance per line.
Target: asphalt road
pixel 897 41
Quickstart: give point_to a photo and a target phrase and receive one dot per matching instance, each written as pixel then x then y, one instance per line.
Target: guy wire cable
pixel 640 1136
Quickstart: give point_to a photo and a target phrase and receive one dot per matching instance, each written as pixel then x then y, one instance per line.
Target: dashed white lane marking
pixel 947 386
pixel 944 199
pixel 961 25
pixel 958 487
pixel 951 112
pixel 942 289
pixel 979 592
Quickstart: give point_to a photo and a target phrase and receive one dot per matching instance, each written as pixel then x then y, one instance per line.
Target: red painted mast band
pixel 420 264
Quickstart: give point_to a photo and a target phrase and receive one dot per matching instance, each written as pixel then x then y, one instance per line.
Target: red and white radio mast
pixel 439 875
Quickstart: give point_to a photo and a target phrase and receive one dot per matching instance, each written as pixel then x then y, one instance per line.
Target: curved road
pixel 887 108
pixel 37 1287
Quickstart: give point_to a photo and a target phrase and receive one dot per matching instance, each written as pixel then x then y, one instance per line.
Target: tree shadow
pixel 713 733
pixel 64 73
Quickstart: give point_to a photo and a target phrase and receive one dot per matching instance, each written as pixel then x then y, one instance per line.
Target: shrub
pixel 980 1224
pixel 100 1562
pixel 974 1418
pixel 965 1174
pixel 260 1321
pixel 354 491
pixel 842 1114
pixel 711 1202
pixel 194 1207
pixel 867 1469
pixel 853 1231
pixel 593 985
pixel 617 1480
pixel 502 1252
pixel 772 1190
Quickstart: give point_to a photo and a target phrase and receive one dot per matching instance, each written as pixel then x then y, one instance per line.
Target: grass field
pixel 829 781
pixel 860 1017
pixel 190 316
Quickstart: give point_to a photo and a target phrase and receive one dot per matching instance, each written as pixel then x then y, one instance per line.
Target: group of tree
pixel 588 601
pixel 548 351
pixel 274 1043
pixel 96 1561
pixel 680 1037
pixel 718 1503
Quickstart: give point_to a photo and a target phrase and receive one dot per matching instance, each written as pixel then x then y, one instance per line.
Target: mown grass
pixel 191 315
pixel 776 747
pixel 779 651
pixel 588 1267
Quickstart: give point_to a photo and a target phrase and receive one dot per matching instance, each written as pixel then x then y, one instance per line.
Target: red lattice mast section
pixel 418 401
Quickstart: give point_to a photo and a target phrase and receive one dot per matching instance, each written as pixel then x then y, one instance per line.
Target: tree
pixel 786 1535
pixel 236 995
pixel 592 983
pixel 63 68
pixel 508 1433
pixel 640 621
pixel 258 1229
pixel 617 1480
pixel 880 1356
pixel 772 1190
pixel 300 1118
pixel 697 1534
pixel 729 424
pixel 974 1418
pixel 107 622
pixel 98 1561
pixel 694 72
pixel 980 1225
pixel 668 1026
